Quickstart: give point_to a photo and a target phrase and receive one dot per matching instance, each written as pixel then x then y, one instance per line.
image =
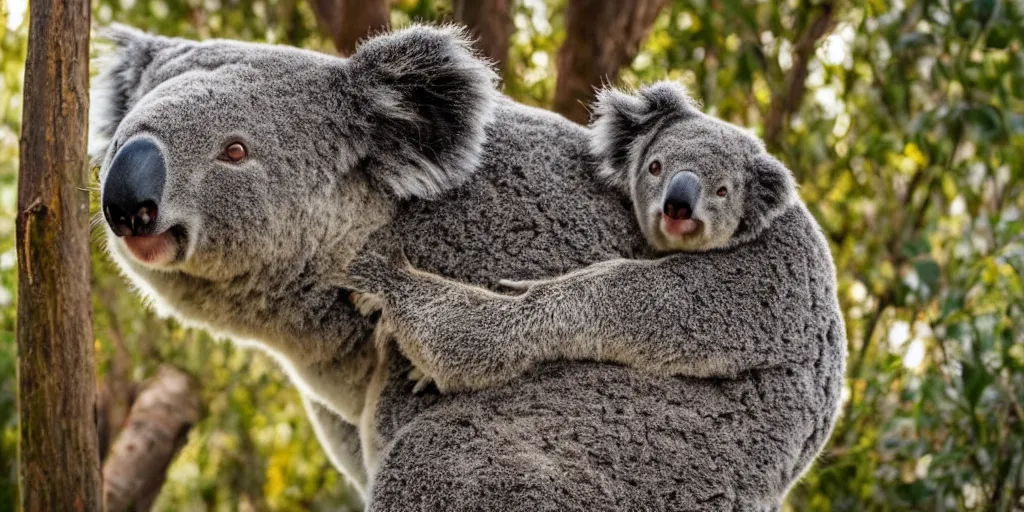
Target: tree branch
pixel 347 22
pixel 58 457
pixel 785 102
pixel 155 430
pixel 490 22
pixel 600 38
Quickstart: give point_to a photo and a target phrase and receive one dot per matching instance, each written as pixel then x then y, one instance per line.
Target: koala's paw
pixel 454 361
pixel 366 303
pixel 378 273
pixel 521 286
pixel 422 380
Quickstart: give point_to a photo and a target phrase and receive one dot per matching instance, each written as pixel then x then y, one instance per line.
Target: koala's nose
pixel 133 187
pixel 682 195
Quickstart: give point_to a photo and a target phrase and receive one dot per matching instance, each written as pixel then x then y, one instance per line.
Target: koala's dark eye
pixel 235 152
pixel 722 192
pixel 655 168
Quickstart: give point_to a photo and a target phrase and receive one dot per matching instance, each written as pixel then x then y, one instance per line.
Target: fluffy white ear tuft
pixel 421 98
pixel 121 80
pixel 621 120
pixel 770 191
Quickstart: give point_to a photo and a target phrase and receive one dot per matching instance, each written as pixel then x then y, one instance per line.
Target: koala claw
pixel 522 286
pixel 365 303
pixel 422 380
pixel 379 273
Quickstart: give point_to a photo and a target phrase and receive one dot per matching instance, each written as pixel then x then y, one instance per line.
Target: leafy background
pixel 908 147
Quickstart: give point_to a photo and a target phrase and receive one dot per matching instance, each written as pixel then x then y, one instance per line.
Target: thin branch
pixel 490 22
pixel 347 22
pixel 785 102
pixel 600 38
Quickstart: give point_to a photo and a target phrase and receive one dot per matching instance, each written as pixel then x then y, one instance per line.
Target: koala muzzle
pixel 133 187
pixel 682 196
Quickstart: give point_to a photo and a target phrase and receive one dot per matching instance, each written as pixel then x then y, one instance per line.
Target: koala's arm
pixel 702 315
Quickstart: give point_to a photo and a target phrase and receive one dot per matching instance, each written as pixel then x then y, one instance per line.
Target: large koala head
pixel 697 183
pixel 219 158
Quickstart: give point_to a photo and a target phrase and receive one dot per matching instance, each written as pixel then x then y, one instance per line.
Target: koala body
pixel 754 292
pixel 407 143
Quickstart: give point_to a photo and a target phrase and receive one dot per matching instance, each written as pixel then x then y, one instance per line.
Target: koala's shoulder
pixel 534 132
pixel 794 233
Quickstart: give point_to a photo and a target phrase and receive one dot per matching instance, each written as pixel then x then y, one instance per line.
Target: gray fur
pixel 326 137
pixel 662 123
pixel 269 241
pixel 769 297
pixel 760 299
pixel 340 440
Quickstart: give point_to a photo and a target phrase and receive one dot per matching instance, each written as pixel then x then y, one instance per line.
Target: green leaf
pixel 986 120
pixel 999 36
pixel 983 9
pixel 928 271
pixel 915 40
pixel 975 380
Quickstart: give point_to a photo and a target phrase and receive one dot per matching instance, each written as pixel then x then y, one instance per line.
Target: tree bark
pixel 58 455
pixel 156 428
pixel 349 21
pixel 490 22
pixel 601 37
pixel 789 99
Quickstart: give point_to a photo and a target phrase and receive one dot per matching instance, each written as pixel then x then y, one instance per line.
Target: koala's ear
pixel 623 123
pixel 770 190
pixel 420 101
pixel 124 77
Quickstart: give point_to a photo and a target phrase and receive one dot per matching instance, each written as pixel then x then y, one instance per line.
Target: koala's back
pixel 572 435
pixel 540 199
pixel 589 436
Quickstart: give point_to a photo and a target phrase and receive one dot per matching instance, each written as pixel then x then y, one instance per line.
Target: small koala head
pixel 219 158
pixel 697 183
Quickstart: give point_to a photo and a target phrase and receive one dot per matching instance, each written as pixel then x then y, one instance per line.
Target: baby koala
pixel 747 281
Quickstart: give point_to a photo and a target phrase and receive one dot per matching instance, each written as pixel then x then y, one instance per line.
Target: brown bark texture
pixel 58 456
pixel 349 21
pixel 490 23
pixel 156 428
pixel 601 36
pixel 785 102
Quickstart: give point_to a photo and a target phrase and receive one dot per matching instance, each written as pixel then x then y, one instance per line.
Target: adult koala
pixel 240 180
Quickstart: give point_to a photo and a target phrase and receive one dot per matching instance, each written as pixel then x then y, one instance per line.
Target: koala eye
pixel 235 152
pixel 722 192
pixel 655 168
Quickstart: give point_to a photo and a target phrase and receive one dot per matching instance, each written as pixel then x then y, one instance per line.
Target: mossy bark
pixel 58 454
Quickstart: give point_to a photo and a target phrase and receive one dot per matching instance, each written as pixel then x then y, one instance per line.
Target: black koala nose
pixel 133 187
pixel 682 195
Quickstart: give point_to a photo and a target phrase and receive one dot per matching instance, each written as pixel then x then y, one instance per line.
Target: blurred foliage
pixel 908 146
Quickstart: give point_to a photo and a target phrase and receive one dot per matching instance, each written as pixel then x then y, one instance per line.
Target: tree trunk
pixel 156 428
pixel 600 38
pixel 789 99
pixel 490 22
pixel 349 21
pixel 59 459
